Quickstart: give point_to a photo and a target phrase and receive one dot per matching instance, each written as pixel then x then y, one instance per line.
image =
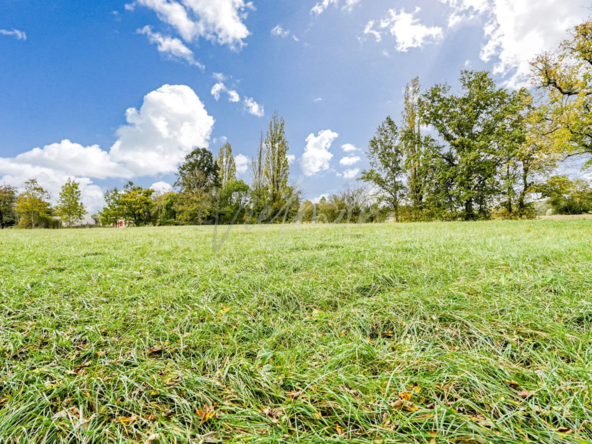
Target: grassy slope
pixel 390 333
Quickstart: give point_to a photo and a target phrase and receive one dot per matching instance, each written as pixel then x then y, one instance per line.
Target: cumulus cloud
pixel 253 107
pixel 171 47
pixel 316 155
pixel 19 35
pixel 219 21
pixel 291 158
pixel 321 6
pixel 73 159
pixel 408 31
pixel 171 122
pixel 317 200
pixel 349 148
pixel 349 161
pixel 220 87
pixel 350 174
pixel 162 187
pixel 242 163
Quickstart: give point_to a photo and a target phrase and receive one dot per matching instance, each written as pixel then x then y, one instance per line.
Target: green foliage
pixel 164 209
pixel 70 208
pixel 226 165
pixel 568 197
pixel 566 76
pixel 133 204
pixel 276 170
pixel 387 159
pixel 8 199
pixel 33 207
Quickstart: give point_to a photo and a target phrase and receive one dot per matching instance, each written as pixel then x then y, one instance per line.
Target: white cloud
pixel 219 77
pixel 219 21
pixel 172 47
pixel 253 107
pixel 220 87
pixel 72 159
pixel 317 200
pixel 171 122
pixel 242 163
pixel 407 30
pixel 349 148
pixel 278 31
pixel 370 30
pixel 517 30
pixel 19 35
pixel 318 99
pixel 162 187
pixel 350 174
pixel 316 155
pixel 321 6
pixel 291 158
pixel 349 161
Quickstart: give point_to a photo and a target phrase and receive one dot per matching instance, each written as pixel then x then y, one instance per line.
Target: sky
pixel 111 91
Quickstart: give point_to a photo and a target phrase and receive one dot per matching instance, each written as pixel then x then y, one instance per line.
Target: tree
pixel 277 169
pixel 33 206
pixel 70 208
pixel 164 211
pixel 568 197
pixel 566 76
pixel 133 204
pixel 387 159
pixel 226 165
pixel 8 198
pixel 198 179
pixel 477 130
pixel 232 202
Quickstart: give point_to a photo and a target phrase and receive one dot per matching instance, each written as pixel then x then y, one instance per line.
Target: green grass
pixel 459 332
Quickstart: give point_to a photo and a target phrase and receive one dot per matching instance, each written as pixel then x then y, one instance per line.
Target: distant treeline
pixel 484 152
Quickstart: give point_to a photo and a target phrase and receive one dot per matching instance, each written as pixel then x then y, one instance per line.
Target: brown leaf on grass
pixel 398 404
pixel 81 367
pixel 72 411
pixel 207 413
pixel 274 413
pixel 513 384
pixel 564 430
pixel 481 420
pixel 526 394
pixel 433 433
pixel 339 429
pixel 154 350
pixel 294 395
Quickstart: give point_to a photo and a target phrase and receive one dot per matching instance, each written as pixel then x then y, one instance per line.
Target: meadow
pixel 392 333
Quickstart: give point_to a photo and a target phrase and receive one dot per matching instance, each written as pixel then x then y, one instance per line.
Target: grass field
pixel 424 333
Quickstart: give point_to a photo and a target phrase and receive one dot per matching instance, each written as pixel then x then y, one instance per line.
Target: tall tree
pixel 70 208
pixel 198 178
pixel 226 165
pixel 566 75
pixel 414 147
pixel 387 159
pixel 476 128
pixel 133 204
pixel 258 166
pixel 277 169
pixel 33 206
pixel 8 198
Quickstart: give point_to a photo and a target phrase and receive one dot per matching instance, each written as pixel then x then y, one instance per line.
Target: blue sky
pixel 108 91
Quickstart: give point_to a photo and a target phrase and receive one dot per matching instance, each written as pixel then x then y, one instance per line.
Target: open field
pixel 468 332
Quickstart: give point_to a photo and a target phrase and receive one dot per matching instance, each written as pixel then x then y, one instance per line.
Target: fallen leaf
pixel 526 394
pixel 406 396
pixel 207 413
pixel 294 395
pixel 155 349
pixel 564 430
pixel 339 429
pixel 128 419
pixel 513 384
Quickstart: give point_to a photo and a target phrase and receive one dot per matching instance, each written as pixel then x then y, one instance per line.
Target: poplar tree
pixel 226 165
pixel 277 169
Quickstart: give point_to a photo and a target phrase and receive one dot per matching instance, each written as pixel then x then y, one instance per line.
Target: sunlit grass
pixel 468 332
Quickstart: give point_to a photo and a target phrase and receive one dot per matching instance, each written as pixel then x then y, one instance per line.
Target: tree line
pixel 480 153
